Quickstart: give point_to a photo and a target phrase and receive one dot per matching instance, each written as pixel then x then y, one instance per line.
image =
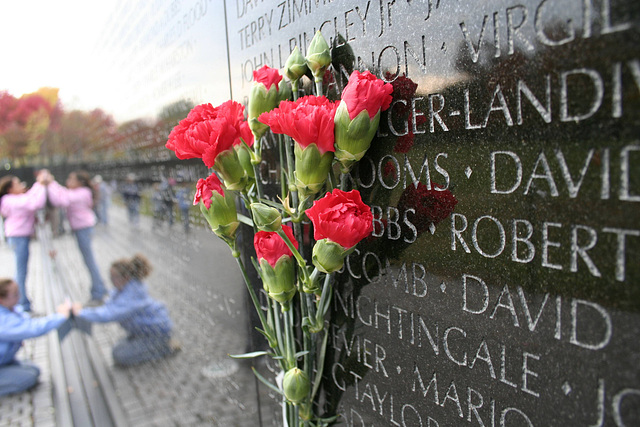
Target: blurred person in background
pixel 103 192
pixel 18 208
pixel 145 320
pixel 130 191
pixel 15 326
pixel 77 198
pixel 185 201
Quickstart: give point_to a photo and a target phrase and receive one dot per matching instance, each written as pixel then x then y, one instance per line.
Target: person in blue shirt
pixel 145 320
pixel 15 326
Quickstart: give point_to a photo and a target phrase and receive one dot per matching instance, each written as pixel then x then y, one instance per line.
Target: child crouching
pixel 145 320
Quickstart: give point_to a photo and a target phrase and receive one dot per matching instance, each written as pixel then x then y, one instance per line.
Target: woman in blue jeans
pixel 18 208
pixel 77 198
pixel 16 326
pixel 145 320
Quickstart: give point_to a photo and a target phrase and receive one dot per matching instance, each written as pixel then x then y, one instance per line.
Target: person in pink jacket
pixel 18 209
pixel 77 199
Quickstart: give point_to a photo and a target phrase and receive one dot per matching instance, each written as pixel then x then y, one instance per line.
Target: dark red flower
pixel 341 217
pixel 431 205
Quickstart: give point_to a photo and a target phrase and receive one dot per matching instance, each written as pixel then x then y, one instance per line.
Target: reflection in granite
pixel 519 303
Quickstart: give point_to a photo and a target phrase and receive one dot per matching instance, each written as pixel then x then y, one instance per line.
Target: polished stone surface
pixel 519 304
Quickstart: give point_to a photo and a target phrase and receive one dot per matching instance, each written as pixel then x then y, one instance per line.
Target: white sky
pixel 49 43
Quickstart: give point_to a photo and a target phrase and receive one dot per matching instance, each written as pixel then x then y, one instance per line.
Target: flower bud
pixel 312 169
pixel 279 281
pixel 264 96
pixel 231 169
pixel 353 137
pixel 318 56
pixel 296 385
pixel 265 217
pixel 284 91
pixel 244 157
pixel 296 66
pixel 328 256
pixel 218 207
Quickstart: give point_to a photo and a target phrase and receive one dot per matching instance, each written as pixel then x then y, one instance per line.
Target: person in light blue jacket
pixel 15 326
pixel 145 320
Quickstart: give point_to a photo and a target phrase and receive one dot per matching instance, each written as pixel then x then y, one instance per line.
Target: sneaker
pixel 175 345
pixel 94 303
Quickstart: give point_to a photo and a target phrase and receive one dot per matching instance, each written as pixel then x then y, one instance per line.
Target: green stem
pixel 294 89
pixel 318 81
pixel 305 332
pixel 256 172
pixel 290 167
pixel 283 172
pixel 301 261
pixel 278 329
pixel 287 342
pixel 343 181
pixel 254 297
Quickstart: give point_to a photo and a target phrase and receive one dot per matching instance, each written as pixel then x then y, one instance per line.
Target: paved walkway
pixel 195 275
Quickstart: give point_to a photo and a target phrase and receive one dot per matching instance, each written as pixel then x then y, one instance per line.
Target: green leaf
pixel 272 204
pixel 245 220
pixel 266 382
pixel 250 355
pixel 300 354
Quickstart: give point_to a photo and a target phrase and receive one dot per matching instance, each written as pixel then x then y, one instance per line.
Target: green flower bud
pixel 244 157
pixel 296 66
pixel 222 215
pixel 230 168
pixel 296 385
pixel 261 100
pixel 312 169
pixel 353 137
pixel 328 256
pixel 318 56
pixel 279 281
pixel 265 217
pixel 284 91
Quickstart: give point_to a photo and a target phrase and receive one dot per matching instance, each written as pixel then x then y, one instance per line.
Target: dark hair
pixel 85 180
pixel 4 286
pixel 137 267
pixel 6 182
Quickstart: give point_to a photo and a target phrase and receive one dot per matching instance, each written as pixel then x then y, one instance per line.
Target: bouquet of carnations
pixel 319 141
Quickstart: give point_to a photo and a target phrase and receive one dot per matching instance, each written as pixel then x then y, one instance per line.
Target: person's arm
pixel 14 327
pixel 58 195
pixel 32 200
pixel 112 310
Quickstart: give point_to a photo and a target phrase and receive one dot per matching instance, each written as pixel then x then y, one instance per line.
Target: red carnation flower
pixel 204 189
pixel 309 120
pixel 366 92
pixel 341 217
pixel 270 246
pixel 267 76
pixel 208 131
